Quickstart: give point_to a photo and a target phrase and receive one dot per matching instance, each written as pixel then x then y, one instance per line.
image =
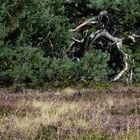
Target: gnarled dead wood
pixel 96 38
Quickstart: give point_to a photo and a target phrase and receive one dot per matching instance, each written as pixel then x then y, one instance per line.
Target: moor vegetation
pixel 71 114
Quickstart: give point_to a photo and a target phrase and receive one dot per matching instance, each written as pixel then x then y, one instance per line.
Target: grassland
pixel 111 113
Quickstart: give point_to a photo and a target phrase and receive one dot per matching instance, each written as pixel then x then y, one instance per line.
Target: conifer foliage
pixel 35 40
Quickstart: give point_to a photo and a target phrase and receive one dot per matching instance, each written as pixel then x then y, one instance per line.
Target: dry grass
pixel 71 114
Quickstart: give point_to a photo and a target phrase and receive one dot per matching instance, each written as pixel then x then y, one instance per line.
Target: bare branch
pixel 78 41
pixel 102 34
pixel 90 21
pixel 125 58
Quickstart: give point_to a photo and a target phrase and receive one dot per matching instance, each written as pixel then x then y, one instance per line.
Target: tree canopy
pixel 35 37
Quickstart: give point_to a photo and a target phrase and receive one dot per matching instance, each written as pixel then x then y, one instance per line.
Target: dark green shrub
pixel 135 49
pixel 28 66
pixel 93 66
pixel 21 65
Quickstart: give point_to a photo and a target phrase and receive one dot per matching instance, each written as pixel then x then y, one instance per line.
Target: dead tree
pixel 97 37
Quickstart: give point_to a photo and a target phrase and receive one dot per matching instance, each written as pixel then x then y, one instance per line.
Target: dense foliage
pixel 35 38
pixel 27 65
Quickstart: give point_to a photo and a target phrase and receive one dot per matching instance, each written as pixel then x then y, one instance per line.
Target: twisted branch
pixel 97 36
